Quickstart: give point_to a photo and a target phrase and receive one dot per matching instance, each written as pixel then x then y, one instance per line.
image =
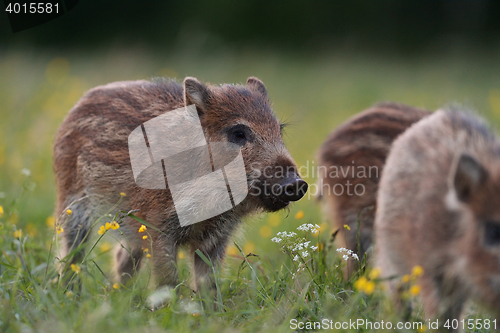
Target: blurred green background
pixel 321 62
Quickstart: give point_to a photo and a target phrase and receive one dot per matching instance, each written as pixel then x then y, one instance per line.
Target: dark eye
pixel 239 134
pixel 492 234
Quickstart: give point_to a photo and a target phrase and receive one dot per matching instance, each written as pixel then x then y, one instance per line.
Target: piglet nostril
pixel 295 190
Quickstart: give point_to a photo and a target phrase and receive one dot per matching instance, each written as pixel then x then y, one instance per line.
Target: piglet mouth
pixel 279 195
pixel 274 204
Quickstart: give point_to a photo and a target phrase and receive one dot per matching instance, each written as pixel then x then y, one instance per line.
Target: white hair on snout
pixel 253 179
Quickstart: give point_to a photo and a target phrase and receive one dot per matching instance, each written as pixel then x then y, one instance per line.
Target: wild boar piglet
pixel 439 208
pixel 92 161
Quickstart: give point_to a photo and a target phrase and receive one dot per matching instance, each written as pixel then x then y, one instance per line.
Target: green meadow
pixel 260 287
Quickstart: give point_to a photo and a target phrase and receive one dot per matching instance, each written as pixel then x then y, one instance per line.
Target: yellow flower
pixel 196 314
pixel 360 284
pixel 406 278
pixel 75 268
pixel 249 247
pixel 59 229
pixel 364 285
pixel 1 211
pixel 123 194
pixel 115 225
pixel 181 255
pixel 265 231
pixel 422 329
pixel 274 220
pixel 415 290
pixel 346 227
pixel 369 288
pixel 375 273
pixel 146 250
pixel 417 271
pixel 107 225
pixel 116 286
pixel 145 237
pixel 105 247
pixel 102 230
pixel 232 250
pixel 50 221
pixel 18 233
pixel 142 228
pixel 31 229
pixel 299 215
pixel 69 212
pixel 148 256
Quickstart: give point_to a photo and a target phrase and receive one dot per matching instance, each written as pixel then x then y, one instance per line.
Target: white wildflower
pixel 348 253
pixel 296 258
pixel 314 248
pixel 26 172
pixel 305 254
pixel 308 227
pixel 303 227
pixel 276 240
pixel 284 234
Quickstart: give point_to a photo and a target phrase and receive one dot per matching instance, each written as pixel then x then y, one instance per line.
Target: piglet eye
pixel 239 134
pixel 492 234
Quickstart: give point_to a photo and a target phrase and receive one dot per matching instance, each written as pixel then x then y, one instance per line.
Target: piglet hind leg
pixel 127 263
pixel 164 259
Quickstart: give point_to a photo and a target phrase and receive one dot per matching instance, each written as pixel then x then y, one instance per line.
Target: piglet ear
pixel 255 84
pixel 196 93
pixel 469 175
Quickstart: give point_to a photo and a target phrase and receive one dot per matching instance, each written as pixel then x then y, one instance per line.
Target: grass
pixel 257 288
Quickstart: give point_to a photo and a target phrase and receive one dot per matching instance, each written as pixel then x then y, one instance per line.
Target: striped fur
pixel 363 142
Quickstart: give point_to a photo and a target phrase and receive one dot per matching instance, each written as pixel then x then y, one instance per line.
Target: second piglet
pixel 438 208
